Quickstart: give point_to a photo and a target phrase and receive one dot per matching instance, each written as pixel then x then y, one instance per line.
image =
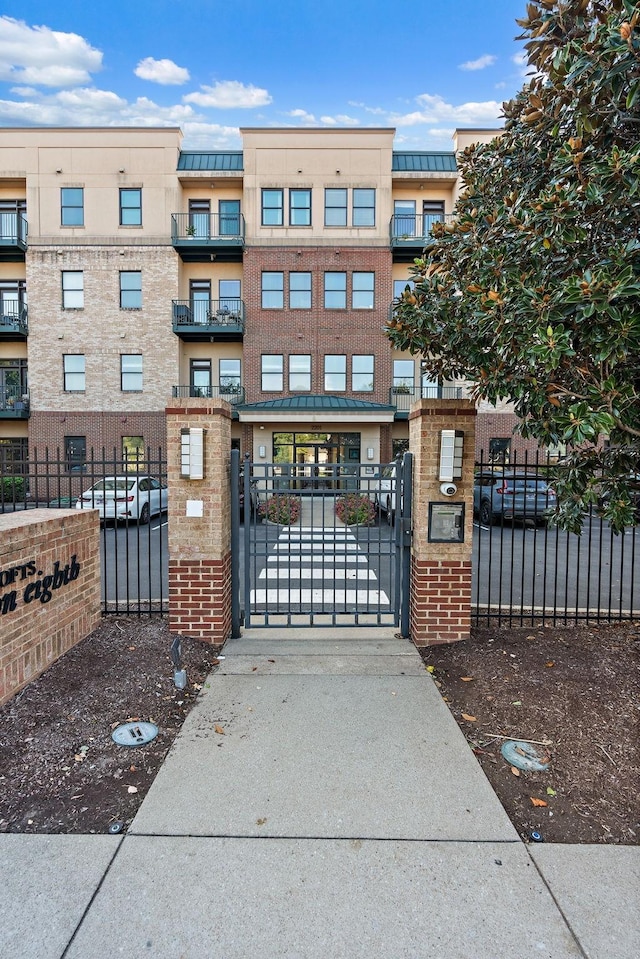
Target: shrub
pixel 281 509
pixel 13 487
pixel 355 509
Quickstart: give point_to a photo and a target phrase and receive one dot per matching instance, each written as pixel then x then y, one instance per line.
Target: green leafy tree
pixel 533 292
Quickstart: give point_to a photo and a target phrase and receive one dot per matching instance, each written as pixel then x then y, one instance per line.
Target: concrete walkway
pixel 320 801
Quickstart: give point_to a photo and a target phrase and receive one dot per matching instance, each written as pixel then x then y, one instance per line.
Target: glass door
pixel 199 219
pixel 200 378
pixel 200 296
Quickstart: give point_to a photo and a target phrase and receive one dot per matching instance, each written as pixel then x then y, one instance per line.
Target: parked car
pixel 384 497
pixel 126 498
pixel 633 488
pixel 503 495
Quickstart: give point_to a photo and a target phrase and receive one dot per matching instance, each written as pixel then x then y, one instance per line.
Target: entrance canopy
pixel 311 408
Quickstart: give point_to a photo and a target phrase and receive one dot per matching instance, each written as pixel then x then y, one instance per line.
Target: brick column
pixel 200 546
pixel 440 572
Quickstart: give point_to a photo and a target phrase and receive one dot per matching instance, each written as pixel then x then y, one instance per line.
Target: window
pixel 399 286
pixel 73 365
pixel 335 291
pixel 13 298
pixel 403 376
pixel 432 212
pixel 230 376
pixel 75 453
pixel 72 290
pixel 130 207
pixel 272 372
pixel 72 206
pixel 133 452
pixel 364 208
pixel 229 295
pixel 404 218
pixel 299 207
pixel 131 290
pixel 131 372
pixel 300 291
pixel 335 207
pixel 272 291
pixel 300 372
pixel 362 373
pixel 335 373
pixel 272 208
pixel 229 215
pixel 362 291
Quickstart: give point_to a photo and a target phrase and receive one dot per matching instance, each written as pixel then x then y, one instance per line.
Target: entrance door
pixel 316 461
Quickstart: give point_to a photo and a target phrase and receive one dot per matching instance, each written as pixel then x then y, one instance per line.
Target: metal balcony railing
pixel 200 229
pixel 13 317
pixel 402 397
pixel 409 229
pixel 226 315
pixel 13 231
pixel 231 392
pixel 14 402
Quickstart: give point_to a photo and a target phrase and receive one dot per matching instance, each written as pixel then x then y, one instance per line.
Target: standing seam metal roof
pixel 211 160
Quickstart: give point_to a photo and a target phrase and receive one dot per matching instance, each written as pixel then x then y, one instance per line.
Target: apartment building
pixel 132 271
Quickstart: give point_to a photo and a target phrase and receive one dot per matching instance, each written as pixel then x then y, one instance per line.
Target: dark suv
pixel 503 495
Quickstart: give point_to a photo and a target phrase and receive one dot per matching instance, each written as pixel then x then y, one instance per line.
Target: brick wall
pixel 317 331
pixel 200 546
pixel 49 590
pixel 103 431
pixel 440 608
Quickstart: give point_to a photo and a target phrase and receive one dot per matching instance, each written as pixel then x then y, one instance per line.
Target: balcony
pixel 403 397
pixel 13 320
pixel 232 393
pixel 14 403
pixel 410 234
pixel 13 236
pixel 208 320
pixel 202 237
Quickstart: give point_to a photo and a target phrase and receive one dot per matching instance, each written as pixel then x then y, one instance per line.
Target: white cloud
pixel 486 60
pixel 520 60
pixel 165 72
pixel 229 94
pixel 92 107
pixel 435 110
pixel 302 115
pixel 44 57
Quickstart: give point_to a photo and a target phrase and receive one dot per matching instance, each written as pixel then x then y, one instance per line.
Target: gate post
pixel 200 523
pixel 440 609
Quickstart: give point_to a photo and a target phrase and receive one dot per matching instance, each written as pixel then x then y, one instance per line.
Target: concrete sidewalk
pixel 320 801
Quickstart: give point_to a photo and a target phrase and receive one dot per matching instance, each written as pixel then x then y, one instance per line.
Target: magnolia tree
pixel 533 291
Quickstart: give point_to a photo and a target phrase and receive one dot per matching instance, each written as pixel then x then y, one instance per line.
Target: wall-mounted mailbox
pixel 192 453
pixel 446 523
pixel 451 442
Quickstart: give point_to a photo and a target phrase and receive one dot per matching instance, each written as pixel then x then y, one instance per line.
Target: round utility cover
pixel 523 756
pixel 134 734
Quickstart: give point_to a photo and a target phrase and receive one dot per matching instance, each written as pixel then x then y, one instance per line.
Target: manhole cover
pixel 524 756
pixel 134 734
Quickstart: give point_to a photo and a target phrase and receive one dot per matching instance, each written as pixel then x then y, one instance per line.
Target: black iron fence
pixel 526 571
pixel 131 496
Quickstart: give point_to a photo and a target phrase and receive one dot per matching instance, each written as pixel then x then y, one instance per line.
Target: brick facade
pixel 49 590
pixel 317 331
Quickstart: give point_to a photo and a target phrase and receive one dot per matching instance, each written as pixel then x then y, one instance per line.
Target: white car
pixel 385 496
pixel 126 498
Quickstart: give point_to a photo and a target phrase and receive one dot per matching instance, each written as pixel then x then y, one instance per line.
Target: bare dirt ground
pixel 577 690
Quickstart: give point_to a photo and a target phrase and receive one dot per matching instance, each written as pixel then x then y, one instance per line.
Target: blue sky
pixel 211 67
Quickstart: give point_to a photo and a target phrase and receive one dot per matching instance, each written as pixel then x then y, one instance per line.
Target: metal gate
pixel 320 544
